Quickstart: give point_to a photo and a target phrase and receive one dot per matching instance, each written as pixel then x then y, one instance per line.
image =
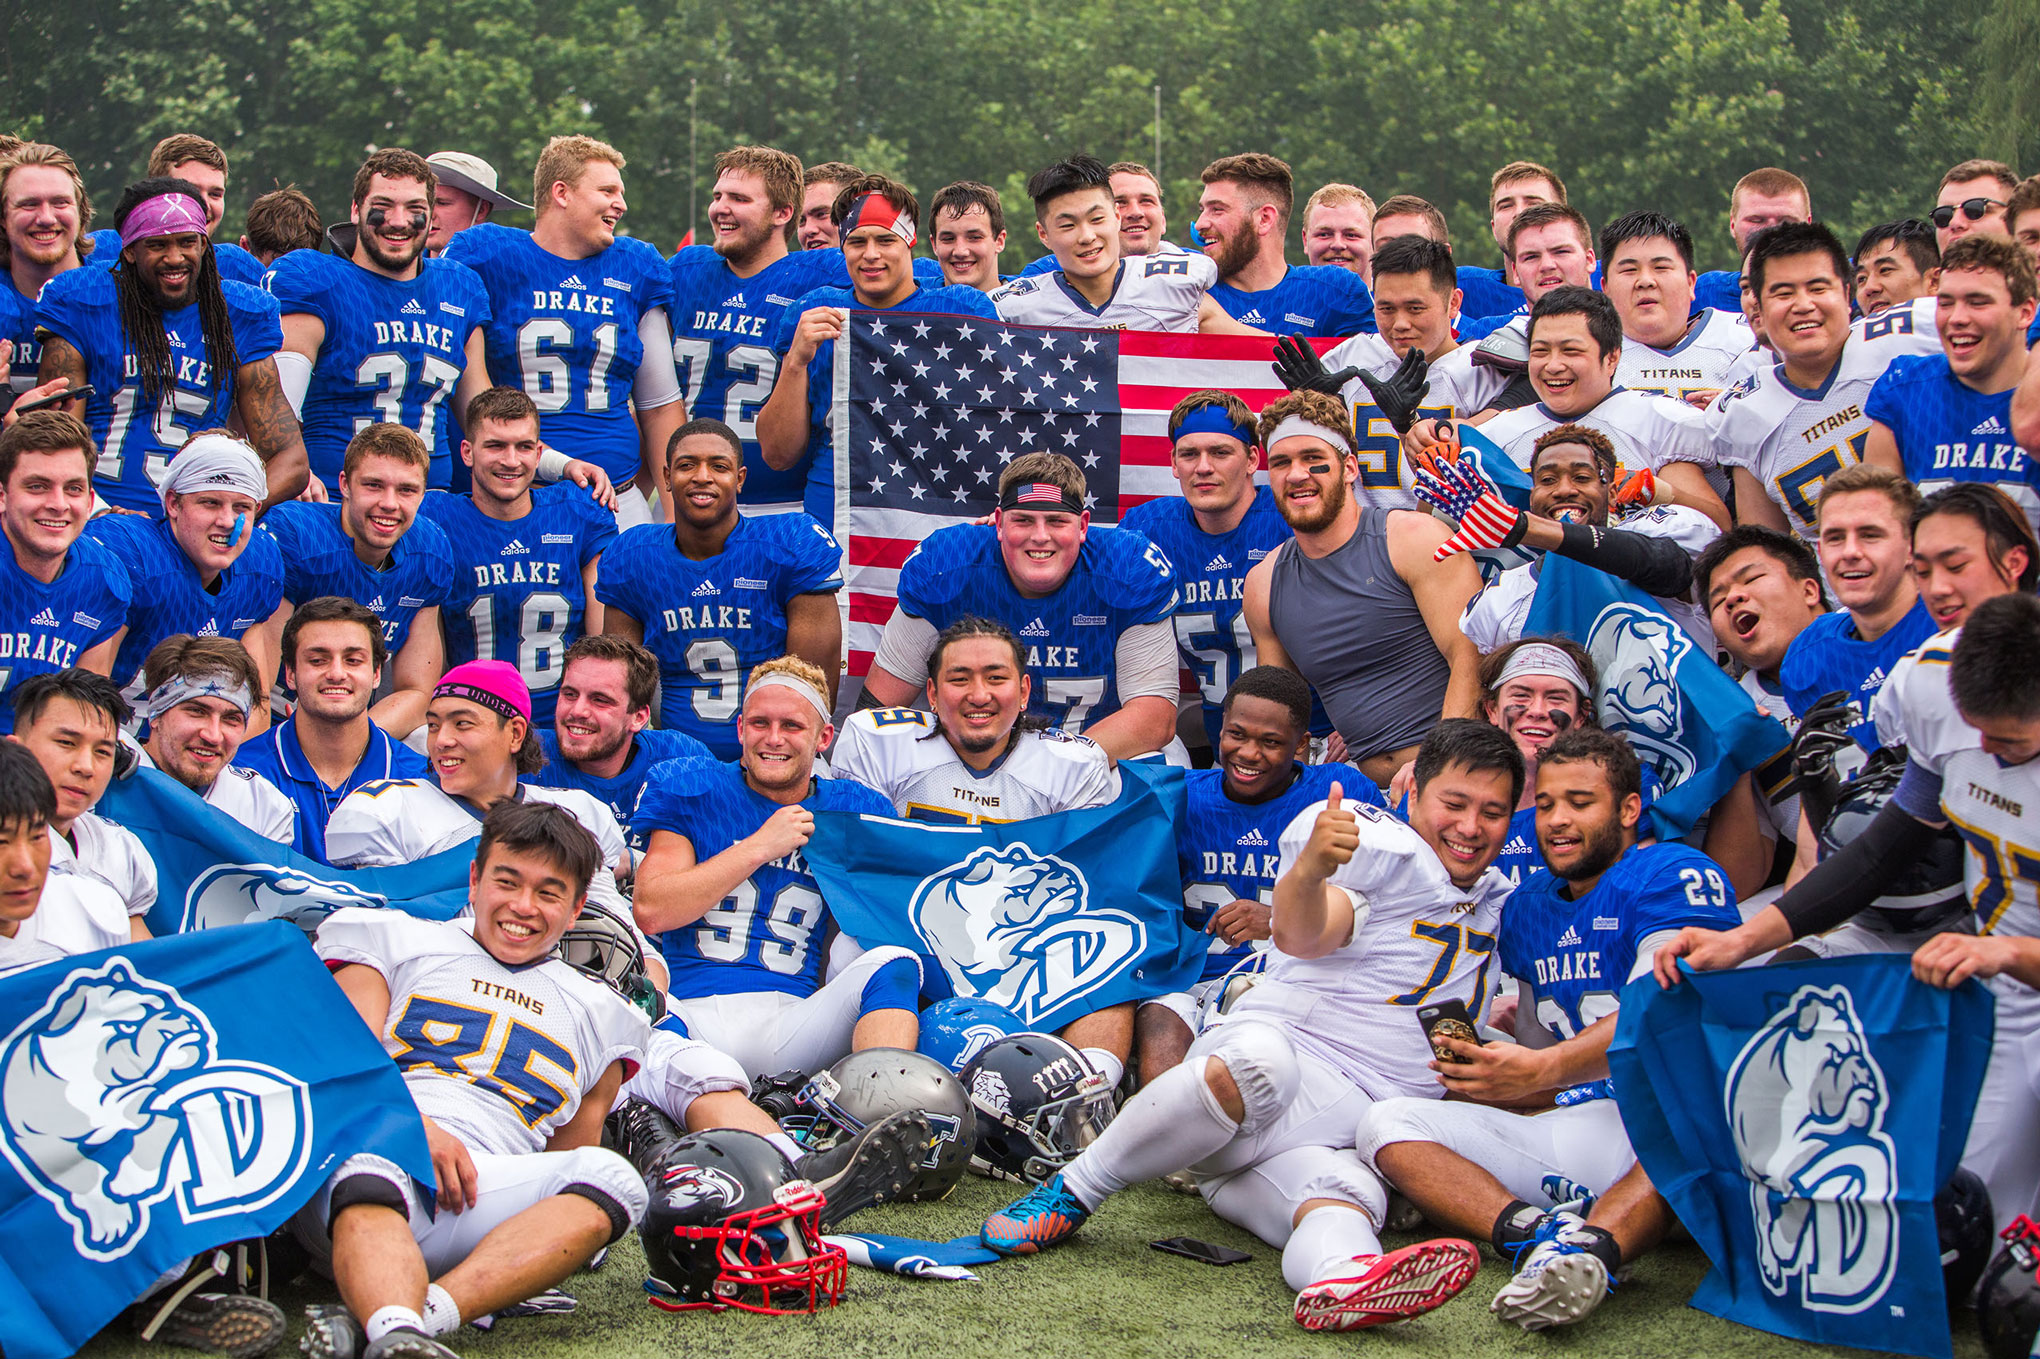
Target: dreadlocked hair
pixel 143 322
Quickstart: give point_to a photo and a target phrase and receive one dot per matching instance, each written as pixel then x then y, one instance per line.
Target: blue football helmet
pixel 955 1030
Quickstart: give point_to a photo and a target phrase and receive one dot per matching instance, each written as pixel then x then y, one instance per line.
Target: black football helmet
pixel 731 1226
pixel 1962 1218
pixel 866 1086
pixel 1039 1102
pixel 605 947
pixel 2008 1303
pixel 1929 892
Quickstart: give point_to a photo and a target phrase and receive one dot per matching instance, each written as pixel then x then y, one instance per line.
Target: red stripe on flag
pixel 869 608
pixel 885 552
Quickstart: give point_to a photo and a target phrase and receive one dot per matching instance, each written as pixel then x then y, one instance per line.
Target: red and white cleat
pixel 1392 1287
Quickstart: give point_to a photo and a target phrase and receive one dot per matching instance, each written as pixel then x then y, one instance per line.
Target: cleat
pixel 1046 1215
pixel 225 1323
pixel 1403 1216
pixel 405 1343
pixel 331 1332
pixel 876 1166
pixel 1392 1287
pixel 642 1134
pixel 1557 1281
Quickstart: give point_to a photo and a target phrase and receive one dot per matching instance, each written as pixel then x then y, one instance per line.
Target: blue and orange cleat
pixel 1046 1215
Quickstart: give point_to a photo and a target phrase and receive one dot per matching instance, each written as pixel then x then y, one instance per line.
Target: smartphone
pixel 1447 1019
pixel 1205 1252
pixel 43 403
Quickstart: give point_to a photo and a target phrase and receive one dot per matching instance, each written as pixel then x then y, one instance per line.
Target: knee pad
pixel 607 1181
pixel 1262 1063
pixel 678 1071
pixel 368 1179
pixel 894 984
pixel 1402 1119
pixel 1341 1175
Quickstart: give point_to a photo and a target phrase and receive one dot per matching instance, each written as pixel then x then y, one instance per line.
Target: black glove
pixel 1301 370
pixel 1823 732
pixel 1402 391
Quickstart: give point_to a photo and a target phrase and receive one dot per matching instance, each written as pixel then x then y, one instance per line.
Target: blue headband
pixel 1215 420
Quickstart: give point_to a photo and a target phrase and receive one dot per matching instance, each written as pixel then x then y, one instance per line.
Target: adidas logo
pixel 1872 680
pixel 412 308
pixel 573 281
pixel 706 587
pixel 1035 629
pixel 211 628
pixel 1517 845
pixel 375 605
pixel 1252 837
pixel 1253 318
pixel 176 340
pixel 1218 563
pixel 735 300
pixel 1991 426
pixel 1570 939
pixel 45 619
pixel 515 548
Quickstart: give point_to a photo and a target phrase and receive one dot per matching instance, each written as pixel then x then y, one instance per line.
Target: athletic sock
pixel 1324 1244
pixel 1175 1122
pixel 386 1319
pixel 1108 1064
pixel 442 1315
pixel 1516 1225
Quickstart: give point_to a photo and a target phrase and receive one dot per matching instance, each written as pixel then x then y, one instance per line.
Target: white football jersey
pixel 1495 617
pixel 1792 440
pixel 400 821
pixel 1717 344
pixel 1417 939
pixel 76 915
pixel 1153 292
pixel 251 799
pixel 1915 708
pixel 18 954
pixel 1783 815
pixel 498 1056
pixel 107 852
pixel 1458 388
pixel 902 753
pixel 1647 430
pixel 1919 317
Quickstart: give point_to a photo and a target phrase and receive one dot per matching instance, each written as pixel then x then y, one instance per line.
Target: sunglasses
pixel 1972 208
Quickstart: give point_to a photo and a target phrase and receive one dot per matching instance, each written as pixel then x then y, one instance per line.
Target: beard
pixel 1330 507
pixel 975 743
pixel 745 242
pixel 395 263
pixel 1598 853
pixel 1235 253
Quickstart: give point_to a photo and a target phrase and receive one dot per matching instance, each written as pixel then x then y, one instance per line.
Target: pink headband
pixel 494 685
pixel 167 214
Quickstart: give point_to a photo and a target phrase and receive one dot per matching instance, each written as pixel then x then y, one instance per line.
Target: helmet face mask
pixel 604 947
pixel 867 1086
pixel 1039 1102
pixel 2008 1303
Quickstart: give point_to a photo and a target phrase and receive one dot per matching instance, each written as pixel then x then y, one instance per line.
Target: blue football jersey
pixel 1720 289
pixel 819 499
pixel 1577 955
pixel 649 749
pixel 710 621
pixel 166 596
pixel 394 350
pixel 723 330
pixel 1947 431
pixel 518 592
pixel 1829 654
pixel 17 326
pixel 1311 299
pixel 1231 850
pixel 771 933
pixel 1120 580
pixel 566 331
pixel 319 559
pixel 1520 856
pixel 235 264
pixel 1483 292
pixel 136 440
pixel 50 626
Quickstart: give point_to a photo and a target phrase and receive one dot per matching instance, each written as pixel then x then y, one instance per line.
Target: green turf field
pixel 1106 1293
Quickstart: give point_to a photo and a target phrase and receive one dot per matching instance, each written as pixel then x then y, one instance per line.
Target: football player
pixel 1669 347
pixel 578 319
pixel 1338 229
pixel 1371 917
pixel 1549 246
pixel 969 233
pixel 333 657
pixel 526 556
pixel 169 349
pixel 728 301
pixel 1358 605
pixel 739 916
pixel 1243 219
pixel 1536 689
pixel 1091 287
pixel 1973 198
pixel 202 691
pixel 1790 426
pixel 206 567
pixel 1143 223
pixel 189 157
pixel 1762 198
pixel 1479 1163
pixel 1971 733
pixel 70 720
pixel 373 547
pixel 1093 607
pixel 602 740
pixel 1519 185
pixel 43 212
pixel 1226 843
pixel 1896 263
pixel 479 739
pixel 65 597
pixel 466 195
pixel 1943 418
pixel 526 1193
pixel 877 220
pixel 815 227
pixel 383 333
pixel 720 592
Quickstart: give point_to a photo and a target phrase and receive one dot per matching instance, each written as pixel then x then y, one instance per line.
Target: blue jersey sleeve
pixel 258 324
pixel 1679 886
pixel 936 570
pixel 1349 307
pixel 623 583
pixel 1139 579
pixel 237 265
pixel 813 559
pixel 597 532
pixel 1889 401
pixel 299 284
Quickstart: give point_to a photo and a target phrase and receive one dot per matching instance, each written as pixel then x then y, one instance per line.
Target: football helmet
pixel 1929 892
pixel 1039 1102
pixel 2008 1303
pixel 1962 1218
pixel 955 1030
pixel 866 1086
pixel 605 947
pixel 730 1225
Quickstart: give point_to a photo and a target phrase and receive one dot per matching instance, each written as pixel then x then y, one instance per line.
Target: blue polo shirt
pixel 277 756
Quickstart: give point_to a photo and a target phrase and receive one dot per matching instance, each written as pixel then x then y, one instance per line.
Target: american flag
pixel 929 409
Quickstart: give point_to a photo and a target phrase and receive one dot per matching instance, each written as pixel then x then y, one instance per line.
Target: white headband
pixel 1542 658
pixel 215 462
pixel 780 679
pixel 183 688
pixel 1295 424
